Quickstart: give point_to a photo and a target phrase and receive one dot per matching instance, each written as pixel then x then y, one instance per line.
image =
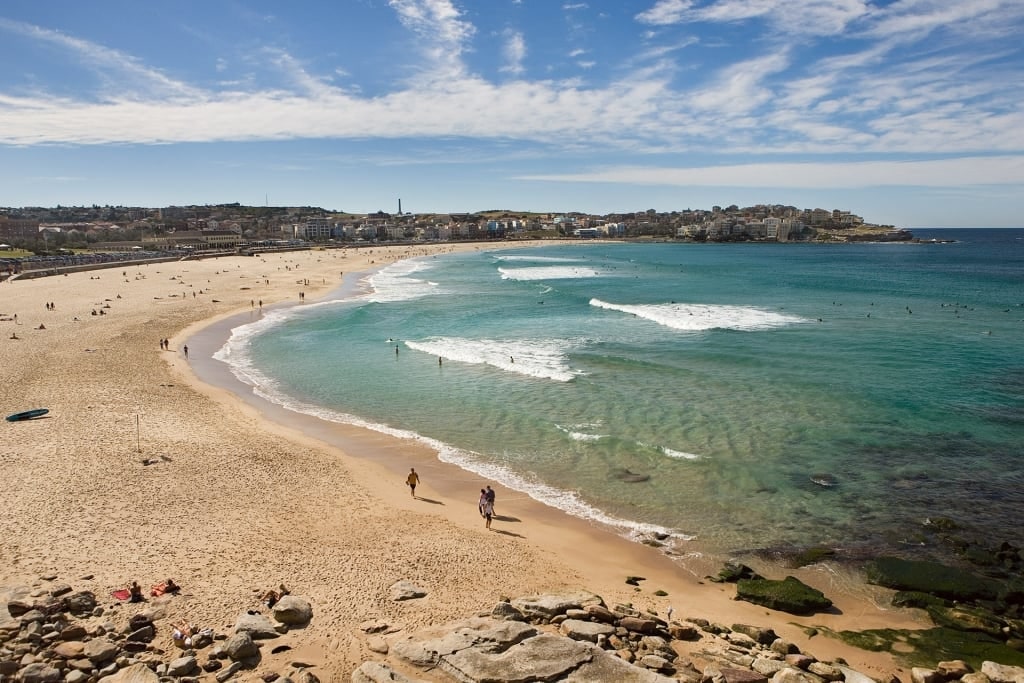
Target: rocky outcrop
pixel 57 635
pixel 486 649
pixel 578 638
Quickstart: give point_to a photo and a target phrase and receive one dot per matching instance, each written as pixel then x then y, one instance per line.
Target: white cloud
pixel 300 79
pixel 960 172
pixel 872 95
pixel 514 52
pixel 665 12
pixel 116 68
pixel 802 17
pixel 740 87
pixel 912 19
pixel 443 33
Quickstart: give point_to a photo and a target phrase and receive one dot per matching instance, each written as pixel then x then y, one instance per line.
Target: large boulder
pixel 585 630
pixel 426 648
pixel 240 646
pixel 40 672
pixel 19 600
pixel 406 590
pixel 71 649
pixel 182 666
pixel 544 657
pixel 80 604
pixel 505 610
pixel 638 625
pixel 789 595
pixel 99 650
pixel 257 626
pixel 763 636
pixel 545 607
pixel 1002 673
pixel 293 610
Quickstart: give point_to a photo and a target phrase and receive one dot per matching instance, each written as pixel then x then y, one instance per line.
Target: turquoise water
pixel 727 374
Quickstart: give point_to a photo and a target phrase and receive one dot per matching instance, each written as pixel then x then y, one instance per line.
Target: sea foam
pixel 679 455
pixel 702 317
pixel 534 258
pixel 542 358
pixel 549 273
pixel 574 433
pixel 395 282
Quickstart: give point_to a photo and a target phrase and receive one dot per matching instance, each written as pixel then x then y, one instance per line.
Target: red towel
pixel 122 594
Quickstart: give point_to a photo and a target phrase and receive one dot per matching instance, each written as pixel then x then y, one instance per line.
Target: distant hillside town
pixel 224 227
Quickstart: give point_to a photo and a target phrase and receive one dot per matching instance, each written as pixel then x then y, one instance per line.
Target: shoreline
pixel 250 496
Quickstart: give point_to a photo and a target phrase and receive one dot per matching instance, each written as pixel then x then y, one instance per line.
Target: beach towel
pixel 122 594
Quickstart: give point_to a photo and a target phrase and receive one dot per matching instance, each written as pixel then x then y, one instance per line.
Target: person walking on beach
pixel 489 494
pixel 482 501
pixel 488 510
pixel 185 349
pixel 412 480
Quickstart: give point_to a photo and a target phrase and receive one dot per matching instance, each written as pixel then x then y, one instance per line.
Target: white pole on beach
pixel 138 443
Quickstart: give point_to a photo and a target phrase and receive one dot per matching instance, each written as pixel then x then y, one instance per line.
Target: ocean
pixel 738 397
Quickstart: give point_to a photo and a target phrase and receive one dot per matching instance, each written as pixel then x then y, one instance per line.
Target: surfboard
pixel 27 415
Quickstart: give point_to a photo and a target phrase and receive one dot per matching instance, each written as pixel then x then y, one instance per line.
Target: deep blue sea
pixel 729 377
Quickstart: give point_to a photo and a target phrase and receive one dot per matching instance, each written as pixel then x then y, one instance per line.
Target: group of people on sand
pixel 485 504
pixel 183 632
pixel 133 591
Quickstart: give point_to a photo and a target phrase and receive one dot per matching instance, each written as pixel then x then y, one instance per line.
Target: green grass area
pixel 14 253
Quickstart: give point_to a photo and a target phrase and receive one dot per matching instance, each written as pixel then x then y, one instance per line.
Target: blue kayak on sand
pixel 27 415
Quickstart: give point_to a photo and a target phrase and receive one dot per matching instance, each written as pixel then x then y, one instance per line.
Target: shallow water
pixel 729 374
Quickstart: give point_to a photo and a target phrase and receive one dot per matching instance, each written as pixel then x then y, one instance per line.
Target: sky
pixel 905 112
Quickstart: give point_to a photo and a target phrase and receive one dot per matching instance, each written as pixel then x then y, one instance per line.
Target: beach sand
pixel 240 496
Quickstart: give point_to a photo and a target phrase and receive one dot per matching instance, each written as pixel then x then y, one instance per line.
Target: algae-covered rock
pixel 918 599
pixel 809 556
pixel 733 572
pixel 789 595
pixel 930 577
pixel 965 618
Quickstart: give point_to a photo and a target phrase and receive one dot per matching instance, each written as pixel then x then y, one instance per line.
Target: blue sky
pixel 909 112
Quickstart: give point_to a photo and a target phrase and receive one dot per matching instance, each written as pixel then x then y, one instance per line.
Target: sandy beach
pixel 152 465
